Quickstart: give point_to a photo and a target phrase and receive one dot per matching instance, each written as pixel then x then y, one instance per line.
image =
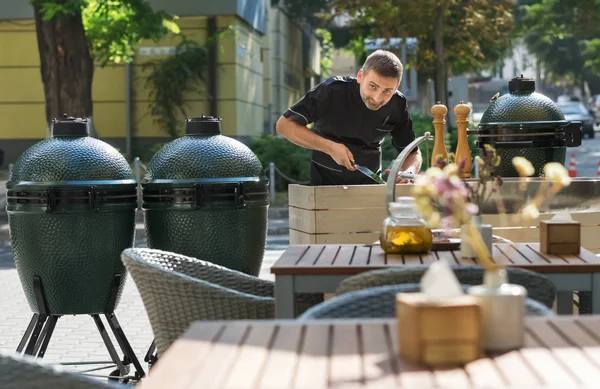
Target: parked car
pixel 576 111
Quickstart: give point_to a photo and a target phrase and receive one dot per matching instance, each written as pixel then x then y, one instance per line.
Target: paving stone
pixel 76 338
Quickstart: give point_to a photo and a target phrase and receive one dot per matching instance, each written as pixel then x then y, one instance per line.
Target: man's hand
pixel 400 180
pixel 341 155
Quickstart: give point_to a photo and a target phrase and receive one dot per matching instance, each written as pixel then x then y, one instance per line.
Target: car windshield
pixel 573 109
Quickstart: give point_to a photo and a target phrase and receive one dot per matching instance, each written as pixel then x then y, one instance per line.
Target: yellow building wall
pixel 249 75
pixel 22 92
pixel 240 100
pixel 287 73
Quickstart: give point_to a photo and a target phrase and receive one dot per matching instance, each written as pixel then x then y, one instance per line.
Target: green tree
pixel 564 35
pixel 454 36
pixel 73 34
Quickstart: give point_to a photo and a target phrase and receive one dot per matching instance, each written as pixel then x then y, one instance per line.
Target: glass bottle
pixel 405 231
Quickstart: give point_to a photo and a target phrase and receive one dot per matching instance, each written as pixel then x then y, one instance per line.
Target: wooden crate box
pixel 355 213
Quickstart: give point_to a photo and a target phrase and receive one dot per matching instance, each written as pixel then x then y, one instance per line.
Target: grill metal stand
pixel 39 332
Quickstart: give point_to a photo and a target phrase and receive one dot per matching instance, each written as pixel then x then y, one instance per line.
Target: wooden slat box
pixel 355 213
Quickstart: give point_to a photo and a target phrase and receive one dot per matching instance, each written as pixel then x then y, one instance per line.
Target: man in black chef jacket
pixel 351 117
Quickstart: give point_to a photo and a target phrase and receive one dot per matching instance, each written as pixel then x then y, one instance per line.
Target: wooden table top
pixel 560 352
pixel 319 259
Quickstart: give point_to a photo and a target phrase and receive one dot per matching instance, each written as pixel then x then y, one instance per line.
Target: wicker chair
pixel 177 290
pixel 380 302
pixel 25 372
pixel 538 287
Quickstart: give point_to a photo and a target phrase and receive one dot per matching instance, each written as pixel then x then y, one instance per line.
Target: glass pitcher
pixel 405 231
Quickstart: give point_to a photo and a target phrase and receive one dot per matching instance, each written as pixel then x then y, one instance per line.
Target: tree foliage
pixel 476 32
pixel 564 35
pixel 73 34
pixel 113 28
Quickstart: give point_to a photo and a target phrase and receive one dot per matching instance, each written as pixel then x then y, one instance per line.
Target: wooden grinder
pixel 463 152
pixel 439 112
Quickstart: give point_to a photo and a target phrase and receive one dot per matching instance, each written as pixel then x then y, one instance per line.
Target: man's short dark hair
pixel 384 63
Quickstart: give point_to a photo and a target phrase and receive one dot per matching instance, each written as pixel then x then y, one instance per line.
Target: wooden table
pixel 560 352
pixel 320 269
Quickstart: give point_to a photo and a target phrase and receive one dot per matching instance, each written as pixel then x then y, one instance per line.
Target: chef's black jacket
pixel 339 114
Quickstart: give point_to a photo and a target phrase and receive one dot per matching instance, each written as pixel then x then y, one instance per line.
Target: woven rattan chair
pixel 380 302
pixel 538 286
pixel 177 290
pixel 25 372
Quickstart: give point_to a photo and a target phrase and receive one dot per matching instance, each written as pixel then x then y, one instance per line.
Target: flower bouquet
pixel 445 200
pixel 448 202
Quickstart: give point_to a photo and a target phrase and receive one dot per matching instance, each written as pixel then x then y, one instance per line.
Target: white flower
pixel 523 166
pixel 530 212
pixel 557 173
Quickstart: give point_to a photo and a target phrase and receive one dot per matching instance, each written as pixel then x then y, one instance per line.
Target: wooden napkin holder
pixel 444 333
pixel 559 237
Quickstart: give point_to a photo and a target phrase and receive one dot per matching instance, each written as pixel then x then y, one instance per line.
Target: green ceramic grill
pixel 529 124
pixel 205 196
pixel 71 202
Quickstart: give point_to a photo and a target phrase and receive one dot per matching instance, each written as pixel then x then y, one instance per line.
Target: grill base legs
pixel 37 336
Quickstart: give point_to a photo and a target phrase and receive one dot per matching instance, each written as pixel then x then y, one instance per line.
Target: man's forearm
pixel 413 162
pixel 301 135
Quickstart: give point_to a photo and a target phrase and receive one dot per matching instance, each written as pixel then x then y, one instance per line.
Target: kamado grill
pixel 71 203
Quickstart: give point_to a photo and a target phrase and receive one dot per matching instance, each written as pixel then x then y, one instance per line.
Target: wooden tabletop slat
pixel 513 368
pixel 518 251
pixel 280 366
pixel 394 260
pixel 379 360
pixel 429 258
pixel 345 255
pixel 565 349
pixel 543 363
pixel 361 256
pixel 176 366
pixel 590 332
pixel 310 258
pixel 510 253
pixel 355 259
pixel 410 375
pixel 453 258
pixel 452 378
pixel 346 368
pixel 328 256
pixel 312 369
pixel 531 250
pixel 217 365
pixel 378 257
pixel 411 259
pixel 484 374
pixel 499 258
pixel 292 255
pixel 559 352
pixel 248 365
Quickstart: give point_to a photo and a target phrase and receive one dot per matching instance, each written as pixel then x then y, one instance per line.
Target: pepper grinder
pixel 463 152
pixel 439 112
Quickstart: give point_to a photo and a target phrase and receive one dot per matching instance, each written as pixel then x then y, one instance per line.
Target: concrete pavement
pixel 76 337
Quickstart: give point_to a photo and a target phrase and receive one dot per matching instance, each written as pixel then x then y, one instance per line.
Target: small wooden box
pixel 439 334
pixel 560 237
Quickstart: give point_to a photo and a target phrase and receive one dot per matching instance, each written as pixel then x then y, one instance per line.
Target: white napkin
pixel 439 282
pixel 562 216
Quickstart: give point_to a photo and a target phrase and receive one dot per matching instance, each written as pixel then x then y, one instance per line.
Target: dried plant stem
pixel 483 254
pixel 501 209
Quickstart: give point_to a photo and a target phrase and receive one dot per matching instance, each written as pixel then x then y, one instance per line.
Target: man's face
pixel 376 90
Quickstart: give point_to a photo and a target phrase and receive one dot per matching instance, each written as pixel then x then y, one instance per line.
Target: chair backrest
pixel 190 266
pixel 174 297
pixel 380 302
pixel 25 372
pixel 538 287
